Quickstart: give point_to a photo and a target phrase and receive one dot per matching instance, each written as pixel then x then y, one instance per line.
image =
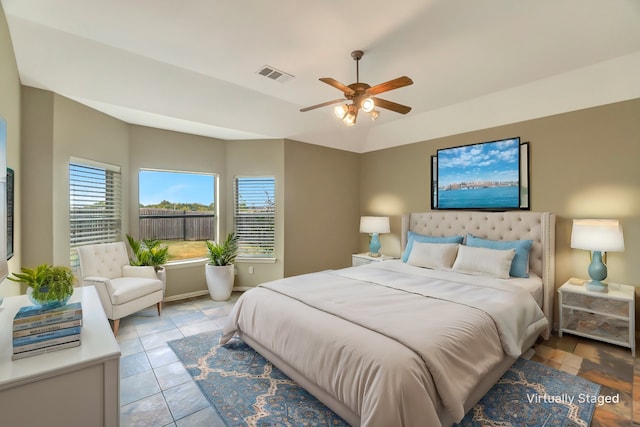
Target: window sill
pixel 187 263
pixel 256 260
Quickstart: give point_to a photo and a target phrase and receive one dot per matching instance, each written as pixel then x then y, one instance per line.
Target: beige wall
pixel 57 128
pixel 37 194
pixel 165 150
pixel 10 111
pixel 258 158
pixel 84 133
pixel 582 164
pixel 321 207
pixel 54 130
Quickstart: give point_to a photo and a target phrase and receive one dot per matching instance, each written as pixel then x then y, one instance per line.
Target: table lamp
pixel 374 225
pixel 597 236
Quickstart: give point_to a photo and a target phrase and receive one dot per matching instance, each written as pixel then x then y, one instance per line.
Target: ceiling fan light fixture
pixel 341 111
pixel 350 118
pixel 367 105
pixel 362 96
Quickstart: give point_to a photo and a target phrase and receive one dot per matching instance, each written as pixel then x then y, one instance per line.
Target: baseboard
pixel 201 293
pixel 186 295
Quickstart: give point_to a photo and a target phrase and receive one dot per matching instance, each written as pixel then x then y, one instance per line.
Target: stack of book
pixel 38 330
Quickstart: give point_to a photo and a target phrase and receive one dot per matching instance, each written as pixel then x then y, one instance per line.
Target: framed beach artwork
pixel 492 175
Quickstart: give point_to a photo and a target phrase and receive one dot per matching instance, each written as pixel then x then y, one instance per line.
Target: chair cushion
pixel 125 289
pixel 103 260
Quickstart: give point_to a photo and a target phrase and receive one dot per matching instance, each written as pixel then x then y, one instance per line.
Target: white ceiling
pixel 190 65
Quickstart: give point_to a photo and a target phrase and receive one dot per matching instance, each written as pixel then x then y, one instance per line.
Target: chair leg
pixel 116 326
pixel 159 307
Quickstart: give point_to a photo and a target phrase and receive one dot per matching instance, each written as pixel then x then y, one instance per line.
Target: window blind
pixel 95 201
pixel 254 216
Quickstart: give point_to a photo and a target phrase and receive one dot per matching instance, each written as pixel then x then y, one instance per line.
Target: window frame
pixel 268 256
pixel 216 201
pixel 82 186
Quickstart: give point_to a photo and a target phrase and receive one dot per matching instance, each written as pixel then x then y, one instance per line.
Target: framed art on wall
pixel 524 175
pixel 492 175
pixel 10 187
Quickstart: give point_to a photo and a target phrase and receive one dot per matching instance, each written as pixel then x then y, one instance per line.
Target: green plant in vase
pixel 148 252
pixel 48 285
pixel 219 271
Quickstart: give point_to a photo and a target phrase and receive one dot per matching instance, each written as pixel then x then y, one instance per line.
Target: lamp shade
pixel 603 235
pixel 374 224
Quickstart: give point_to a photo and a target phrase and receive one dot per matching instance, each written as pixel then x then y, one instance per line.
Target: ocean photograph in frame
pixel 485 175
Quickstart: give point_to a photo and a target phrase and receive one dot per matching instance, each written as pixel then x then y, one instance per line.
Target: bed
pixel 393 343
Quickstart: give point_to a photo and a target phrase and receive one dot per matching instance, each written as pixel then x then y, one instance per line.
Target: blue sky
pixel 155 186
pixel 495 161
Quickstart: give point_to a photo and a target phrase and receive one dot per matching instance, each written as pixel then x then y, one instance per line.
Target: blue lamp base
pixel 374 245
pixel 597 286
pixel 597 273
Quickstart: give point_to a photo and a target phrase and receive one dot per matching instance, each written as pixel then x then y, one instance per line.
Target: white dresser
pixel 77 386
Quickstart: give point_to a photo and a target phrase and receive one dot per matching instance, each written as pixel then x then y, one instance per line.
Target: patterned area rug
pixel 247 390
pixel 533 394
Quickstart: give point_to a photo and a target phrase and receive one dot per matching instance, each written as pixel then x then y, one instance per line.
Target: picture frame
pixel 10 211
pixel 524 176
pixel 434 182
pixel 490 175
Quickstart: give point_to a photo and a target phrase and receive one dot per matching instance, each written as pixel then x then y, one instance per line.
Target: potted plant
pixel 219 271
pixel 150 252
pixel 47 285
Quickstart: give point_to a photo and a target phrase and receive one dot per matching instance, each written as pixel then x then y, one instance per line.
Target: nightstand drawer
pixel 598 326
pixel 600 305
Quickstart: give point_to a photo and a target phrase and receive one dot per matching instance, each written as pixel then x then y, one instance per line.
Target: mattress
pixel 392 343
pixel 532 284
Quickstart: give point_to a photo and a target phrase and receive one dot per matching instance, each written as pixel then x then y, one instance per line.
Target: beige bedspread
pixel 390 341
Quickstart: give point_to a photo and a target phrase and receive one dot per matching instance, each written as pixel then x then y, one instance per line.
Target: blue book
pixel 36 310
pixel 31 339
pixel 45 320
pixel 47 343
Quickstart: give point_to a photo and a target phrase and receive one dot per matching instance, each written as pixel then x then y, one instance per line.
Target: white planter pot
pixel 219 281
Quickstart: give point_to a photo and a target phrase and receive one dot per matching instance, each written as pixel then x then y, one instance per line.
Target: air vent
pixel 274 74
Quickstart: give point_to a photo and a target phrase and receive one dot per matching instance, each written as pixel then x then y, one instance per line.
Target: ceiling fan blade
pixel 393 106
pixel 332 82
pixel 390 85
pixel 324 104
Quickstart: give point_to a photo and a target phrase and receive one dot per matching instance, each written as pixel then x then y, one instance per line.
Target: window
pixel 95 204
pixel 179 209
pixel 254 216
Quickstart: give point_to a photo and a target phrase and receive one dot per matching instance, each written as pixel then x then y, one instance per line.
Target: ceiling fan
pixel 363 96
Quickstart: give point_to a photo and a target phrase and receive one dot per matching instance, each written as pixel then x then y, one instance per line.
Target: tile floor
pixel 156 390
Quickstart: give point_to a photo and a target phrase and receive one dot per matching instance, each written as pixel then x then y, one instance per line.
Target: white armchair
pixel 123 289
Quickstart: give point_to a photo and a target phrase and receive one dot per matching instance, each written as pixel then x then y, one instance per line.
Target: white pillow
pixel 493 262
pixel 433 255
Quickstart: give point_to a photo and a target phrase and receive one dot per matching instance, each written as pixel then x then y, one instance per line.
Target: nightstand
pixel 365 258
pixel 607 317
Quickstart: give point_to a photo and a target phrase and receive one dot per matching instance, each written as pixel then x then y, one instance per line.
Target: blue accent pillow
pixel 520 263
pixel 415 237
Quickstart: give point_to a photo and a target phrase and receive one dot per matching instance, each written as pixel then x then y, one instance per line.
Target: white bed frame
pixel 537 226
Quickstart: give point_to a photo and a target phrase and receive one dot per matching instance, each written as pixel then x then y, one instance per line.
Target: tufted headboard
pixel 512 225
